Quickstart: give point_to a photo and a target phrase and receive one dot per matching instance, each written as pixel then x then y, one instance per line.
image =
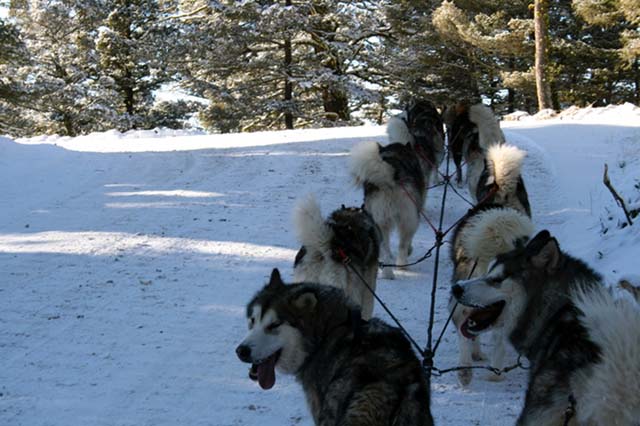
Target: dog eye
pixel 274 325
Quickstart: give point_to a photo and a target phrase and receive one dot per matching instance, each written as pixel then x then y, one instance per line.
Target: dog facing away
pixel 582 344
pixel 353 372
pixel 421 126
pixel 501 179
pixel 472 131
pixel 489 230
pixel 394 193
pixel 348 231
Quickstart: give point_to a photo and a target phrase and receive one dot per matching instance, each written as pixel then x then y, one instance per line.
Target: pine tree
pixel 132 46
pixel 60 80
pixel 293 64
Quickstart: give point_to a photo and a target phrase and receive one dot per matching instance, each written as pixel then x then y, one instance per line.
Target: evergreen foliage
pixel 73 67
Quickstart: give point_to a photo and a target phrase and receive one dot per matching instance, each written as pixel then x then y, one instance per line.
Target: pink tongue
pixel 266 372
pixel 465 330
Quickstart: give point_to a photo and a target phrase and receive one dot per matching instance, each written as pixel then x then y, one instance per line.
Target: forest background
pixel 75 67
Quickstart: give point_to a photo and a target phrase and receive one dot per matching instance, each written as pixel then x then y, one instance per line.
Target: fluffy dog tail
pixel 368 166
pixel 398 131
pixel 494 231
pixel 311 228
pixel 488 127
pixel 611 394
pixel 504 163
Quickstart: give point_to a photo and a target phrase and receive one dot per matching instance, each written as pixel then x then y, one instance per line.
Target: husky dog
pixel 501 181
pixel 582 344
pixel 353 372
pixel 472 131
pixel 348 231
pixel 394 193
pixel 487 231
pixel 421 126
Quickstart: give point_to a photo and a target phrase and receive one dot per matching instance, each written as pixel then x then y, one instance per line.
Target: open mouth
pixel 264 370
pixel 481 318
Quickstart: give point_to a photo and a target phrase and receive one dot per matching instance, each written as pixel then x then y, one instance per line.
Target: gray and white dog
pixel 583 345
pixel 347 232
pixel 498 224
pixel 353 372
pixel 394 193
pixel 421 126
pixel 487 231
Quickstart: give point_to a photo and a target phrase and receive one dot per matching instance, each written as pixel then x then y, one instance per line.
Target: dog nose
pixel 244 353
pixel 457 291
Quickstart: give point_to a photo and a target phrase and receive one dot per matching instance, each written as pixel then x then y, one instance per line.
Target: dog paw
pixel 387 274
pixel 464 377
pixel 493 377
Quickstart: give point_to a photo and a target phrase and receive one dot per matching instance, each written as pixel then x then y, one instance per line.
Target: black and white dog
pixel 583 345
pixel 497 225
pixel 472 131
pixel 353 372
pixel 394 193
pixel 348 232
pixel 421 126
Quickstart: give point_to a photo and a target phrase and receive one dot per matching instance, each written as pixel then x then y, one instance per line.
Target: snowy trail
pixel 125 274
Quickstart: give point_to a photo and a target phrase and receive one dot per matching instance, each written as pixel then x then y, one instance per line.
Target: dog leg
pixel 407 230
pixel 497 355
pixel 367 295
pixel 465 360
pixel 385 253
pixel 476 352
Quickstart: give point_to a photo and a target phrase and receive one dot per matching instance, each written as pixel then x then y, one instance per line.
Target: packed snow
pixel 127 259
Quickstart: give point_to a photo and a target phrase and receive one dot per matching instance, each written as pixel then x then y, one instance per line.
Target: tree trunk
pixel 511 100
pixel 540 22
pixel 288 85
pixel 336 104
pixel 636 76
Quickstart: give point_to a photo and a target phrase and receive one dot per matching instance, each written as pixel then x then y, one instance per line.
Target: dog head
pixel 355 234
pixel 287 323
pixel 510 279
pixel 424 121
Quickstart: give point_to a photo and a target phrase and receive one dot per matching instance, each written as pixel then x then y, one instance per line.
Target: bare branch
pixel 616 196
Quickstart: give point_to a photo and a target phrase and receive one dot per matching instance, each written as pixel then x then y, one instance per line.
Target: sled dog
pixel 348 231
pixel 581 343
pixel 421 126
pixel 394 193
pixel 473 130
pixel 501 180
pixel 487 231
pixel 353 372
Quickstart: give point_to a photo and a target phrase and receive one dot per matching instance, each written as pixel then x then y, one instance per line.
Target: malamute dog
pixel 582 344
pixel 394 193
pixel 472 131
pixel 420 125
pixel 489 230
pixel 353 372
pixel 348 231
pixel 501 180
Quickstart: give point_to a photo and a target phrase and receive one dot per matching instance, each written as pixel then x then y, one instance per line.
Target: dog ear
pixel 306 301
pixel 275 281
pixel 544 251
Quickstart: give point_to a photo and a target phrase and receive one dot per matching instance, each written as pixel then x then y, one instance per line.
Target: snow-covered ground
pixel 126 262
